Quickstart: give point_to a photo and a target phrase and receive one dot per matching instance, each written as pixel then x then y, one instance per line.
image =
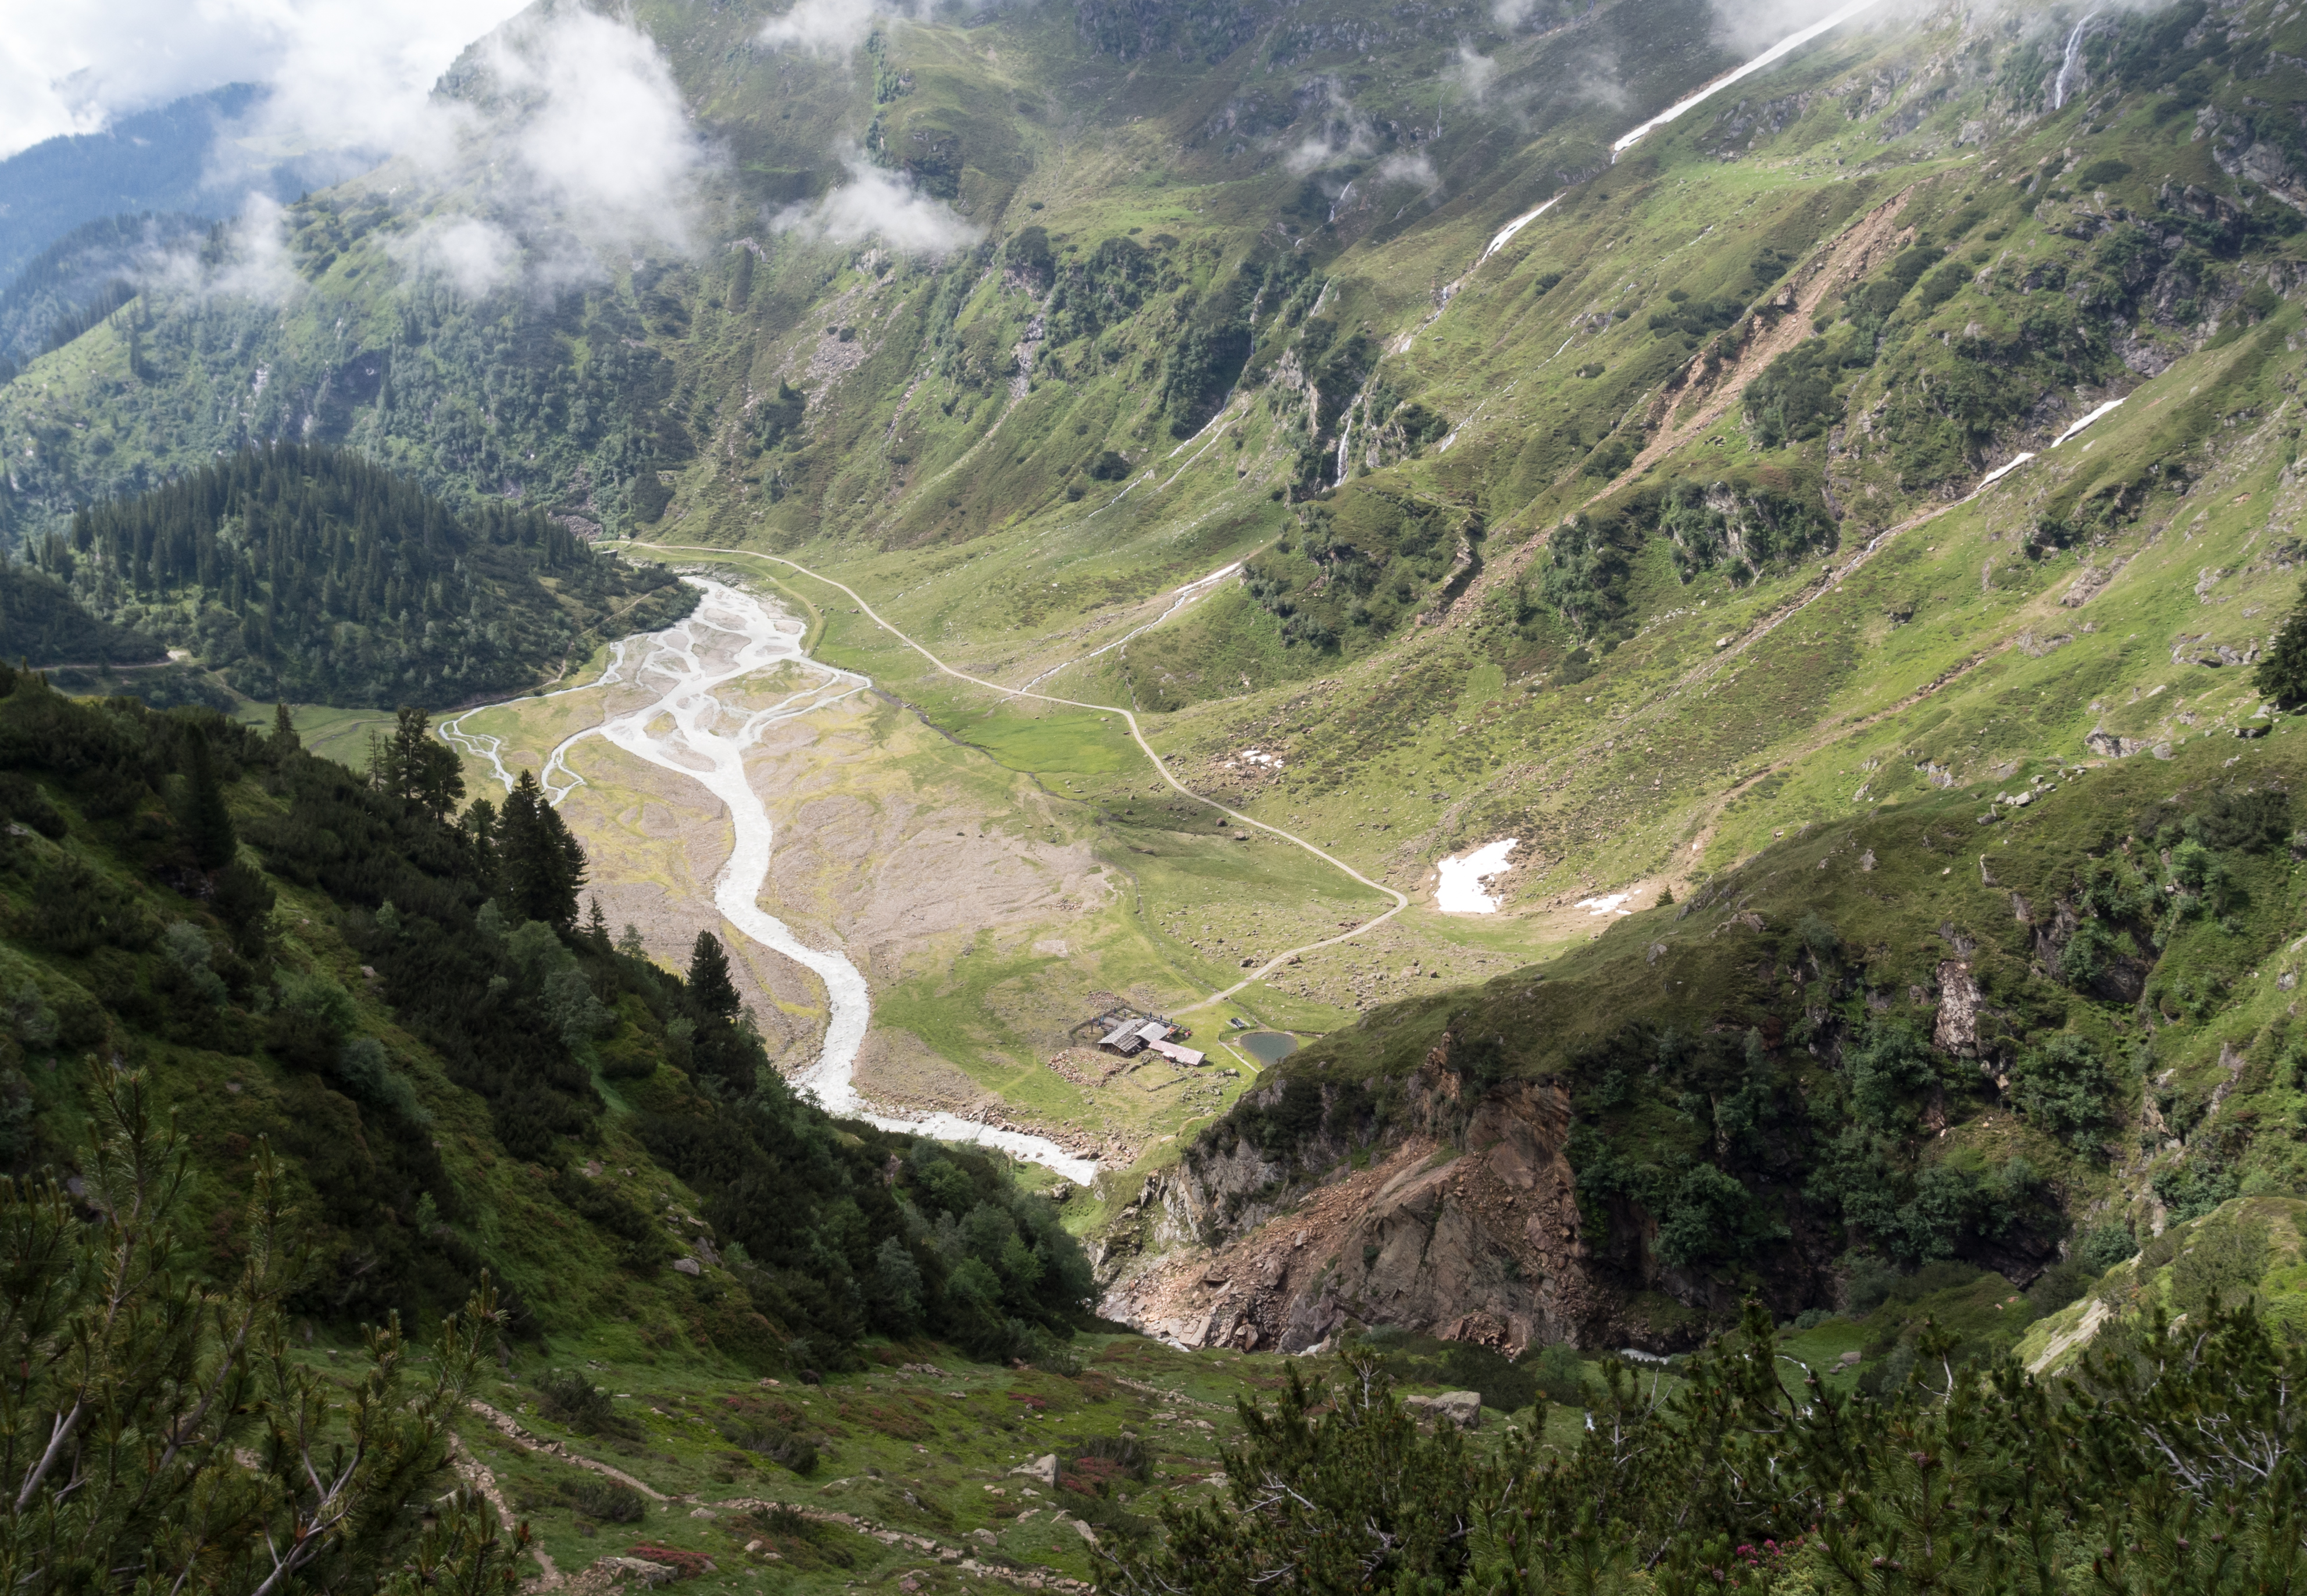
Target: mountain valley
pixel 1660 639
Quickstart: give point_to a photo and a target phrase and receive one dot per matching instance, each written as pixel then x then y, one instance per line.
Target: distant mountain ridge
pixel 162 159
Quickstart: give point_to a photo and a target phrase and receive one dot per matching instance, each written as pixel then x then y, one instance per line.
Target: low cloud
pixel 253 264
pixel 880 205
pixel 1340 139
pixel 1407 168
pixel 470 255
pixel 356 71
pixel 824 27
pixel 593 136
pixel 1469 72
pixel 1594 80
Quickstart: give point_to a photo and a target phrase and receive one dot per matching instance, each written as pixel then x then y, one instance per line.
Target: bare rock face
pixel 1461 1408
pixel 1956 1030
pixel 1467 1229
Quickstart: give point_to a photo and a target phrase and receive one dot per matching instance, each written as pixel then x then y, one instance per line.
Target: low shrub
pixel 568 1398
pixel 608 1502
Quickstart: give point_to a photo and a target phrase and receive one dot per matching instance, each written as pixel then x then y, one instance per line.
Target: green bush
pixel 1793 399
pixel 2221 1264
pixel 1501 1383
pixel 2063 1086
pixel 1558 1374
pixel 1890 1070
pixel 608 1501
pixel 2103 1247
pixel 766 1437
pixel 568 1398
pixel 2057 1286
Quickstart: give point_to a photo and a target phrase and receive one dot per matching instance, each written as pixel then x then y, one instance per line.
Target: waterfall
pixel 2071 63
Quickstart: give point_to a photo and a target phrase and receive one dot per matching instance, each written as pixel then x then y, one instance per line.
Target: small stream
pixel 682 726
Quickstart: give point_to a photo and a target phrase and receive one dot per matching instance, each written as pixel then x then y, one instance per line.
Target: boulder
pixel 1461 1408
pixel 620 1569
pixel 1043 1469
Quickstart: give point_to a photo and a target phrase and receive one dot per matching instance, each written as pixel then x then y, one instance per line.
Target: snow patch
pixel 1461 890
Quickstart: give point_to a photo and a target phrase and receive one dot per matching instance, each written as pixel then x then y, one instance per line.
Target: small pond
pixel 1269 1047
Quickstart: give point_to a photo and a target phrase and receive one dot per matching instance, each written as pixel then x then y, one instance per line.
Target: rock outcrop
pixel 1466 1228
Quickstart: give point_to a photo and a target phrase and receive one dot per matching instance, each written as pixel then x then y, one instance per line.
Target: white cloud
pixel 254 264
pixel 471 255
pixel 1594 80
pixel 568 135
pixel 1407 168
pixel 834 27
pixel 356 70
pixel 883 205
pixel 1469 72
pixel 1340 140
pixel 593 134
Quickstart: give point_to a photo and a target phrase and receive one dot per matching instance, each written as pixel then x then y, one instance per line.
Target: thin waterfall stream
pixel 2069 61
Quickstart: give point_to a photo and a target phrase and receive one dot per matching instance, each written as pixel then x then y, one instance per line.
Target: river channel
pixel 685 720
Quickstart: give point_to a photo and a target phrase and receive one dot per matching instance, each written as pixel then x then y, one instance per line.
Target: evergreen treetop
pixel 710 986
pixel 2282 675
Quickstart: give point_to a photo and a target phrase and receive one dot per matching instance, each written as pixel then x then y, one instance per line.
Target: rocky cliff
pixel 1466 1227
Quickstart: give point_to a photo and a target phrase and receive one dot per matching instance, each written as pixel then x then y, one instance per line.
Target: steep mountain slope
pixel 455 1076
pixel 85 276
pixel 1954 1028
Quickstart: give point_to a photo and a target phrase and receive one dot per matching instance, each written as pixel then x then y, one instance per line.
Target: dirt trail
pixel 513 1432
pixel 476 1474
pixel 1401 900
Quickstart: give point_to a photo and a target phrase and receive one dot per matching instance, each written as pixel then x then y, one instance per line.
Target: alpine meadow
pixel 1155 796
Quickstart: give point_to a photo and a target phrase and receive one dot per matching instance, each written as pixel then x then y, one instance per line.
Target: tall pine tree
pixel 540 865
pixel 722 1047
pixel 413 765
pixel 2282 675
pixel 208 820
pixel 710 985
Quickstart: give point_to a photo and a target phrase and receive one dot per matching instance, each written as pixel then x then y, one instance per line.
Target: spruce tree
pixel 2282 675
pixel 539 864
pixel 208 820
pixel 417 767
pixel 710 985
pixel 596 928
pixel 284 730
